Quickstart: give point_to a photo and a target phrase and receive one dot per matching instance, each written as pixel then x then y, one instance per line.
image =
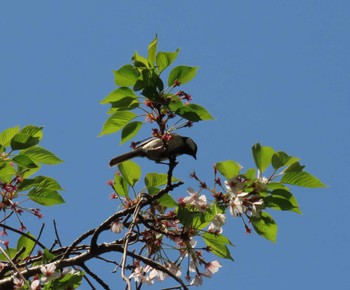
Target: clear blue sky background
pixel 276 72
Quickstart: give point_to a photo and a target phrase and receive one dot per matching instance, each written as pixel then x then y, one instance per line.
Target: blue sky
pixel 276 72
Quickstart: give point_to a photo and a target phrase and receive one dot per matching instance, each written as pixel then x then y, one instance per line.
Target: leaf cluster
pixel 142 96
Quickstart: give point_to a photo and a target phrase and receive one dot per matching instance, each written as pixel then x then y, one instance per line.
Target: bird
pixel 158 149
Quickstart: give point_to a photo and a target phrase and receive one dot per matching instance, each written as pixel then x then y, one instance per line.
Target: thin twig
pixel 126 243
pixel 15 267
pixel 24 234
pixel 95 277
pixel 56 233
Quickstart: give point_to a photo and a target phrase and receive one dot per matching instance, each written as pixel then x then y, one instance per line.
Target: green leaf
pixel 47 182
pixel 228 168
pixel 70 280
pixel 250 173
pixel 23 141
pixel 24 161
pixel 281 199
pixel 277 185
pixel 117 121
pixel 130 130
pixel 139 61
pixel 217 245
pixel 11 252
pixel 303 179
pixel 131 171
pixel 45 197
pixel 262 156
pixel 126 76
pixel 280 159
pixel 7 171
pixel 294 167
pixel 182 74
pixel 164 59
pixel 186 216
pixel 156 179
pixel 34 131
pixel 194 112
pixel 125 104
pixel 120 185
pixel 203 219
pixel 119 94
pixel 48 256
pixel 42 155
pixel 167 201
pixel 40 181
pixel 265 226
pixel 7 135
pixel 175 102
pixel 152 50
pixel 27 243
pixel 153 190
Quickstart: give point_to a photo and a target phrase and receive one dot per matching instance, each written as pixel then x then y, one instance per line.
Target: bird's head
pixel 190 147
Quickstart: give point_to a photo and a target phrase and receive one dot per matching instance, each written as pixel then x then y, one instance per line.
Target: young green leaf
pixel 167 201
pixel 152 50
pixel 45 197
pixel 217 245
pixel 126 76
pixel 294 167
pixel 125 104
pixel 117 121
pixel 157 179
pixel 24 161
pixel 277 185
pixel 7 171
pixel 47 256
pixel 120 185
pixel 281 199
pixel 33 131
pixel 11 252
pixel 139 61
pixel 41 155
pixel 7 135
pixel 250 173
pixel 182 74
pixel 23 141
pixel 130 130
pixel 262 156
pixel 186 216
pixel 280 159
pixel 165 59
pixel 27 243
pixel 228 168
pixel 265 226
pixel 303 179
pixel 70 280
pixel 194 112
pixel 119 94
pixel 131 171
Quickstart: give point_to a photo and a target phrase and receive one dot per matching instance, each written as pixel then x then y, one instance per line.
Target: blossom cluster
pixel 49 273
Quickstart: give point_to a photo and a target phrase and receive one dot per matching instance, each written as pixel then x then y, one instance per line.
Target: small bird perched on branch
pixel 159 149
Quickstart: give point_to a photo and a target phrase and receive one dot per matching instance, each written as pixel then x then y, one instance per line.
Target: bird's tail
pixel 124 157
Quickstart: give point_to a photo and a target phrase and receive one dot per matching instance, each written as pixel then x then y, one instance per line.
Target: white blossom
pixel 49 272
pixel 197 280
pixel 212 267
pixel 35 285
pixel 174 269
pixel 18 283
pixel 196 200
pixel 257 207
pixel 117 227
